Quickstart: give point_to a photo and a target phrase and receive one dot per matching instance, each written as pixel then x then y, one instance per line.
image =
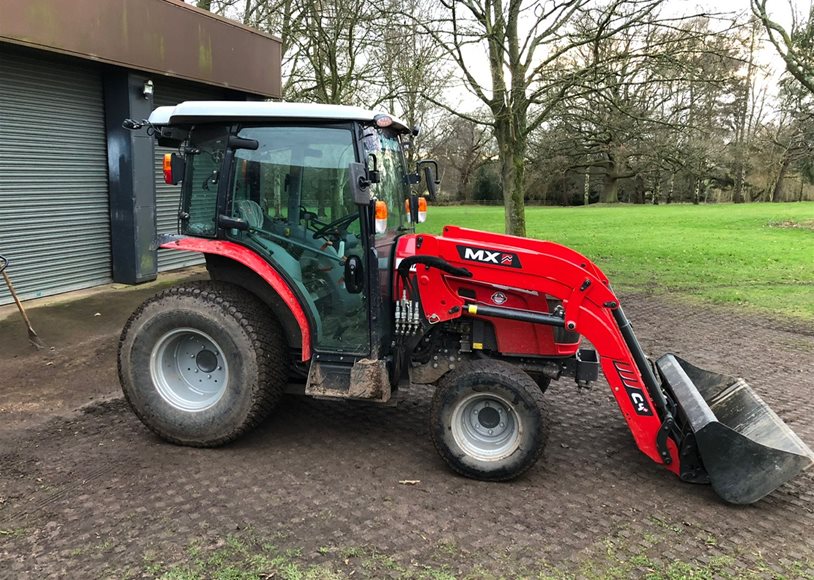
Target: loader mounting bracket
pixel 692 468
pixel 663 436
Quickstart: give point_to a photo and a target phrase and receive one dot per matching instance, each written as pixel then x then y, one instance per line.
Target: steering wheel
pixel 342 223
pixel 310 216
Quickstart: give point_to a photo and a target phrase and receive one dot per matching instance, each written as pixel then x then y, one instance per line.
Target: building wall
pixel 54 213
pixel 81 199
pixel 79 202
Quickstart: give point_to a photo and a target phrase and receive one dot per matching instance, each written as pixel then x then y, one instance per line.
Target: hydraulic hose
pixel 433 262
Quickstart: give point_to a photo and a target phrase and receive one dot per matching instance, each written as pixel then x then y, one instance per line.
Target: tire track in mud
pixel 32 508
pixel 76 464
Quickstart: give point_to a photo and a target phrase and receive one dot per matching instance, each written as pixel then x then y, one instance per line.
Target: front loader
pixel 320 286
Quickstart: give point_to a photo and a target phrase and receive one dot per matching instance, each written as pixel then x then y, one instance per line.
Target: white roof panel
pixel 208 111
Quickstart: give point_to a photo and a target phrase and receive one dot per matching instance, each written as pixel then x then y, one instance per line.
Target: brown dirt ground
pixel 87 491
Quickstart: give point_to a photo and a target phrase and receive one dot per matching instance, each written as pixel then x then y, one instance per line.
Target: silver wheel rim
pixel 189 370
pixel 486 427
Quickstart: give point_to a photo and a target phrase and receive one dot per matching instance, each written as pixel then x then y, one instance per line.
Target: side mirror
pixel 132 124
pixel 359 183
pixel 429 179
pixel 230 223
pixel 431 190
pixel 354 275
pixel 241 143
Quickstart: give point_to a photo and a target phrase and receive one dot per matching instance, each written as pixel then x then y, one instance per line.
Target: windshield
pixel 384 145
pixel 297 174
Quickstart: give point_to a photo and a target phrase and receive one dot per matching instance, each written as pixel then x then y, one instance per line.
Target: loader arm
pixel 591 309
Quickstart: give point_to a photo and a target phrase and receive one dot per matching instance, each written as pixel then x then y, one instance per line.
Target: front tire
pixel 487 421
pixel 203 363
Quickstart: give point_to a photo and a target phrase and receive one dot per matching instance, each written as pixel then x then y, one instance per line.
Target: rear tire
pixel 203 363
pixel 487 421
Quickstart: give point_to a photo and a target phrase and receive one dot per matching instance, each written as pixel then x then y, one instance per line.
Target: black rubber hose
pixel 433 262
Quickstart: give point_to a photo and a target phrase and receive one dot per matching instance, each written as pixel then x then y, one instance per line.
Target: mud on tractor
pixel 320 286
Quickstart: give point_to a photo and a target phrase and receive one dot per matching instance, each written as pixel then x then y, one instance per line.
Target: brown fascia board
pixel 166 37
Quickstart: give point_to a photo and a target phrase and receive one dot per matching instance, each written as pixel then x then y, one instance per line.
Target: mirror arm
pixel 374 175
pixel 414 208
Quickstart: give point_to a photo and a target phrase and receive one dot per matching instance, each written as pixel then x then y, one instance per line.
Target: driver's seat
pixel 252 213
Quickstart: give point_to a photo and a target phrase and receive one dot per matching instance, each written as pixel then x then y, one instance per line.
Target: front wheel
pixel 203 363
pixel 487 421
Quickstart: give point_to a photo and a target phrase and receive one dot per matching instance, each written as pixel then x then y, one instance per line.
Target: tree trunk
pixel 616 165
pixel 512 176
pixel 657 189
pixel 777 189
pixel 744 129
pixel 737 190
pixel 740 177
pixel 586 194
pixel 610 189
pixel 696 195
pixel 672 188
pixel 638 190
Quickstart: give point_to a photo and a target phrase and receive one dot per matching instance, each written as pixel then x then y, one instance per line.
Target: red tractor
pixel 320 286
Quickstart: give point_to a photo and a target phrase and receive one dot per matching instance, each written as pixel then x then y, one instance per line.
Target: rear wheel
pixel 487 421
pixel 203 363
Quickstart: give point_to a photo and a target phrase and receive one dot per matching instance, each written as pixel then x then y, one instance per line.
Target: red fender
pixel 256 264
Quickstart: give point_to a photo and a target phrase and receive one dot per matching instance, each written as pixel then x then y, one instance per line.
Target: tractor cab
pixel 320 192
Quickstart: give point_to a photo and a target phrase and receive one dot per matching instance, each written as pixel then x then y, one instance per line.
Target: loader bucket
pixel 746 449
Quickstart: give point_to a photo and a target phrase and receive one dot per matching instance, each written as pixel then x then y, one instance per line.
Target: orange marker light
pixel 168 168
pixel 422 210
pixel 381 217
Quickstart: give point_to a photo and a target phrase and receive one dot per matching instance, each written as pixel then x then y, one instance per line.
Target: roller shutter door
pixel 54 211
pixel 167 196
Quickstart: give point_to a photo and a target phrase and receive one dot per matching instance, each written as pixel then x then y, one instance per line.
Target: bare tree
pixel 795 45
pixel 326 44
pixel 462 147
pixel 330 42
pixel 639 114
pixel 410 70
pixel 527 46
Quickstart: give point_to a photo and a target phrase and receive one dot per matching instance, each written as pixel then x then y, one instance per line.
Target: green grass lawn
pixel 758 256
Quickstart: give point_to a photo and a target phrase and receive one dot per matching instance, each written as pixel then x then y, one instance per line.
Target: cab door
pixel 382 150
pixel 293 193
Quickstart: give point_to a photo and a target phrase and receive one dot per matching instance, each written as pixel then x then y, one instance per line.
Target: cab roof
pixel 190 112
